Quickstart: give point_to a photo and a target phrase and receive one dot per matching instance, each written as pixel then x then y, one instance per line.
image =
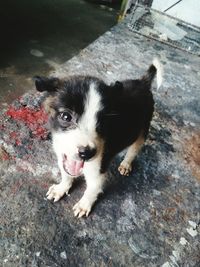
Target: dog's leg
pixel 56 191
pixel 94 181
pixel 126 165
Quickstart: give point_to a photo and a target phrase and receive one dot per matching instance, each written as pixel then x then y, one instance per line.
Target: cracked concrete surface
pixel 150 218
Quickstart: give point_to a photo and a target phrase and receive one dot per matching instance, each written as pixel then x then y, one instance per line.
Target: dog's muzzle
pixel 74 166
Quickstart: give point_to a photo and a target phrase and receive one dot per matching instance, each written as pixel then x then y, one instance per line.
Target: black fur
pixel 127 113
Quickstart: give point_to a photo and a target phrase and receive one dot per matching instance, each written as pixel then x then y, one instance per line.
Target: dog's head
pixel 75 107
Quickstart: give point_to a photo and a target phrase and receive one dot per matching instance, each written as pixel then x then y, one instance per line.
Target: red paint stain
pixel 2 127
pixel 34 119
pixel 15 137
pixel 16 187
pixel 4 154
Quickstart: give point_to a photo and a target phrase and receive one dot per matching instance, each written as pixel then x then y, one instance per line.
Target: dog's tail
pixel 156 68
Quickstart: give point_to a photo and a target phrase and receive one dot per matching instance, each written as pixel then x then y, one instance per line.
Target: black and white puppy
pixel 91 122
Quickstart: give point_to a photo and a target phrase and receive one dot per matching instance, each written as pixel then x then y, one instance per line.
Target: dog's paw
pixel 125 168
pixel 83 207
pixel 56 191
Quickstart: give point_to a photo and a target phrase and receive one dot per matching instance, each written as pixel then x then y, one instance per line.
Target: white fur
pixel 92 106
pixel 95 181
pixel 159 68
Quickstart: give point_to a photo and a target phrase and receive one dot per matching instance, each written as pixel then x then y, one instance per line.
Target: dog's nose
pixel 86 153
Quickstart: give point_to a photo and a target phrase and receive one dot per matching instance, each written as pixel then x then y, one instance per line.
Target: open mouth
pixel 72 167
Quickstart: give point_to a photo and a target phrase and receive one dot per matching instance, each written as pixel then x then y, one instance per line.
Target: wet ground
pixel 149 219
pixel 36 36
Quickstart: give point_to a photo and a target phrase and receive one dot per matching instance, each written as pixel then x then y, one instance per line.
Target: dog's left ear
pixel 46 84
pixel 117 86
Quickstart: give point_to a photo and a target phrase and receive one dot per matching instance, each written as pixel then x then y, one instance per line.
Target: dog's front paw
pixel 125 168
pixel 83 207
pixel 56 191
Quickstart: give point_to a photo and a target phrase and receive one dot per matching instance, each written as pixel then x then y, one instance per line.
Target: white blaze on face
pixel 87 124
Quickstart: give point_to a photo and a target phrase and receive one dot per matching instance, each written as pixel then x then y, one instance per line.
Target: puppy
pixel 91 122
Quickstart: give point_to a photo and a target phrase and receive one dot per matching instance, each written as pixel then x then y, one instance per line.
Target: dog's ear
pixel 117 88
pixel 118 85
pixel 46 84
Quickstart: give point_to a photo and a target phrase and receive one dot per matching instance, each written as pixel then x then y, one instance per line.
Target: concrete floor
pixel 149 219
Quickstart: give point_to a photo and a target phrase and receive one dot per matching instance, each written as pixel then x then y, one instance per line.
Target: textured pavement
pixel 150 218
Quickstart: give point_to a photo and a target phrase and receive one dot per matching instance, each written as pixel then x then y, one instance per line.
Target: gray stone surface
pixel 151 218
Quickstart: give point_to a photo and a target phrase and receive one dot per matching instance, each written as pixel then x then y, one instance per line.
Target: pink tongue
pixel 73 167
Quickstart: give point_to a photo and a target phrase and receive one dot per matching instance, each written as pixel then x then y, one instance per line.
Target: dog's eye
pixel 65 116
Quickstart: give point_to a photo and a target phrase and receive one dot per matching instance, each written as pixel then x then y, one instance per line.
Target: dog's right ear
pixel 46 84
